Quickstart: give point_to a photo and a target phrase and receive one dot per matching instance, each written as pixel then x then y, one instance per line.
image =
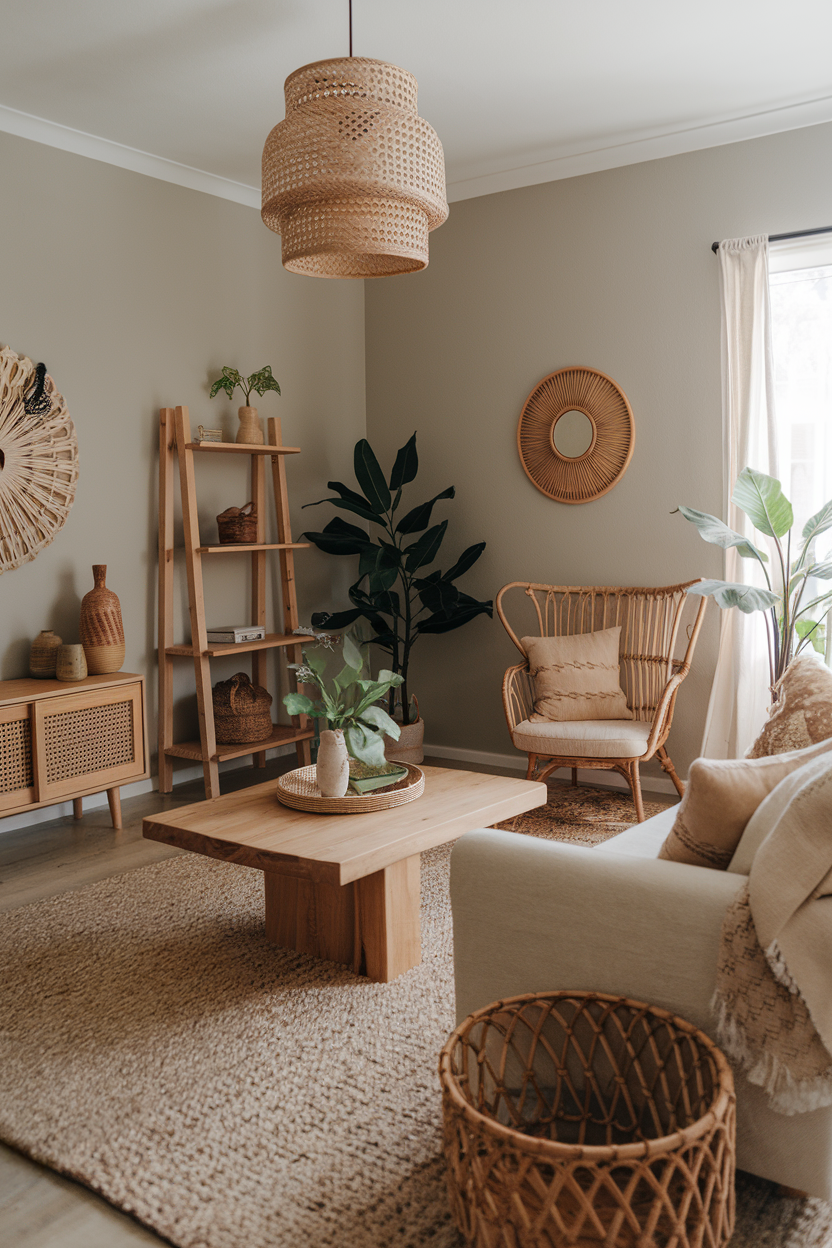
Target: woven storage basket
pixel 577 1118
pixel 241 711
pixel 237 525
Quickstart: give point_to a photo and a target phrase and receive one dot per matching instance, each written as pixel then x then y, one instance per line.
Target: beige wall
pixel 611 270
pixel 135 292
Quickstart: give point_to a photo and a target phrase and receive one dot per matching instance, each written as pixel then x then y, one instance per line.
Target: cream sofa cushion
pixel 803 714
pixel 720 798
pixel 576 677
pixel 588 738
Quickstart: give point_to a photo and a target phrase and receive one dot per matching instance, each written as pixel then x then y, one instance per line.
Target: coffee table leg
pixel 310 917
pixel 388 920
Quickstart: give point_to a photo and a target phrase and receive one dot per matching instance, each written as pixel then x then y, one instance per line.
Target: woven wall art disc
pixel 587 476
pixel 38 461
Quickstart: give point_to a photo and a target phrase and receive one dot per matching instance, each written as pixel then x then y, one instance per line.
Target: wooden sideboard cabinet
pixel 62 740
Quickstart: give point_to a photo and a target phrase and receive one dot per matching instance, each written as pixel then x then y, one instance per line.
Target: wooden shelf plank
pixel 221 550
pixel 283 734
pixel 242 647
pixel 242 448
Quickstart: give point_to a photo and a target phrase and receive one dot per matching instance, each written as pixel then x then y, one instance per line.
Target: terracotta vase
pixel 102 632
pixel 43 654
pixel 250 431
pixel 71 665
pixel 333 766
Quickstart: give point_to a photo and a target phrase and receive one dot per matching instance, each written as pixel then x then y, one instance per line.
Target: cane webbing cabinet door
pixel 17 768
pixel 92 738
pixel 62 740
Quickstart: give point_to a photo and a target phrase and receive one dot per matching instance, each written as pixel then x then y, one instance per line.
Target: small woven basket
pixel 237 525
pixel 241 711
pixel 577 1118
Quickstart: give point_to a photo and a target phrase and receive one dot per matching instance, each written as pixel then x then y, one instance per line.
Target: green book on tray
pixel 364 779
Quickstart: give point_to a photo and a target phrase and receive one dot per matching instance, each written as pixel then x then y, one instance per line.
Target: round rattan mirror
pixel 576 435
pixel 38 460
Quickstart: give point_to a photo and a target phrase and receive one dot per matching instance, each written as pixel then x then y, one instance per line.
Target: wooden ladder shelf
pixel 175 441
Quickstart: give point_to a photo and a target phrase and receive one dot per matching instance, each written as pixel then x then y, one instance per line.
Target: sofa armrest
pixel 532 915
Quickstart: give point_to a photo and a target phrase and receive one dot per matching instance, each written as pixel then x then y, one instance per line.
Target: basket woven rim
pixel 405 790
pixel 593 1153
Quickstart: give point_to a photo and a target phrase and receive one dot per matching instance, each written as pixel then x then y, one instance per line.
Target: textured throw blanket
pixel 773 998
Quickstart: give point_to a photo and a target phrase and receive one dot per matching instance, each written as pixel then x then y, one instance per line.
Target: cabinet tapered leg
pixel 114 799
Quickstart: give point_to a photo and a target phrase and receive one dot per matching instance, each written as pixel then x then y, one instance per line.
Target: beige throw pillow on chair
pixel 576 677
pixel 721 796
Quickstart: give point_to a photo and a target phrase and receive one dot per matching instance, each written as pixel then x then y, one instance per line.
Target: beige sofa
pixel 531 915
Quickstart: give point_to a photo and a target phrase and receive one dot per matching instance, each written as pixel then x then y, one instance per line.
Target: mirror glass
pixel 572 434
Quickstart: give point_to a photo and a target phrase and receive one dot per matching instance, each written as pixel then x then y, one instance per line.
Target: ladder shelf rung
pixel 283 734
pixel 226 546
pixel 242 448
pixel 214 649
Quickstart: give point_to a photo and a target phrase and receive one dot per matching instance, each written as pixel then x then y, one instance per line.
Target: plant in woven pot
pixel 394 592
pixel 250 430
pixel 348 702
pixel 794 612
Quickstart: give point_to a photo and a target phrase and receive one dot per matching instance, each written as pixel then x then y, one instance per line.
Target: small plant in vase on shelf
pixel 250 431
pixel 348 703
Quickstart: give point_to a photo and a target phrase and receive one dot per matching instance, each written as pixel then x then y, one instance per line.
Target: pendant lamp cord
pixel 350 27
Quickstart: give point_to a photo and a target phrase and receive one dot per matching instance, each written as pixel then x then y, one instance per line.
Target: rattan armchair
pixel 651 672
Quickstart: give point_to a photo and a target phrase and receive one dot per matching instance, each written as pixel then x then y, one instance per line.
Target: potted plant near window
pixel 795 616
pixel 394 592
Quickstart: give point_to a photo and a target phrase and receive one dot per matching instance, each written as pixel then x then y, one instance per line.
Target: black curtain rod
pixel 781 238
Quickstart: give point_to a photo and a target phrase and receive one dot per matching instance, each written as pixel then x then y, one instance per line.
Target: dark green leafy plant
pixel 231 379
pixel 392 592
pixel 347 700
pixel 791 625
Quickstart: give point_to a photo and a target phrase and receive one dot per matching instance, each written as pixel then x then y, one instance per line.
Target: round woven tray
pixel 299 789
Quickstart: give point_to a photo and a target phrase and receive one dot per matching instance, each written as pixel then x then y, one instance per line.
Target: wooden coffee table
pixel 345 887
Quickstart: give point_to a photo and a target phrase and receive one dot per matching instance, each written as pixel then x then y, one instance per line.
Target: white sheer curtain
pixel 740 693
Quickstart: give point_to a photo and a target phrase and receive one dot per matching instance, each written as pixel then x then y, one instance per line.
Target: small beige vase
pixel 71 665
pixel 43 654
pixel 250 431
pixel 333 766
pixel 102 632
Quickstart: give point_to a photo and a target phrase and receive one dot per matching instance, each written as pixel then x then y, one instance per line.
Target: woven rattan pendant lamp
pixel 353 179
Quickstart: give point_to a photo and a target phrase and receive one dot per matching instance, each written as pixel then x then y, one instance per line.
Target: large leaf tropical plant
pixel 791 623
pixel 394 593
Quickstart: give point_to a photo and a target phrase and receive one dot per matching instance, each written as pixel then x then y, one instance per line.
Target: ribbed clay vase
pixel 333 766
pixel 43 654
pixel 250 431
pixel 102 632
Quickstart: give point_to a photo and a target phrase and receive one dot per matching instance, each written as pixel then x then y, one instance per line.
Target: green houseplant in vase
pixel 394 592
pixel 348 702
pixel 250 430
pixel 794 613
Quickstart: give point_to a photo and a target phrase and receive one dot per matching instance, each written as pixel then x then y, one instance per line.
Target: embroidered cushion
pixel 720 798
pixel 803 713
pixel 576 677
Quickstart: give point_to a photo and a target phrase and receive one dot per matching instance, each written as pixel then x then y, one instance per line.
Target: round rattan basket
pixel 241 711
pixel 587 1119
pixel 299 789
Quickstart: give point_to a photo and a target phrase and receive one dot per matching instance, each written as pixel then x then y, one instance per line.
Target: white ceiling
pixel 519 92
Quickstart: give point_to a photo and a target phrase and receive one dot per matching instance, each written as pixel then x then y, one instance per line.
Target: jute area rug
pixel 232 1095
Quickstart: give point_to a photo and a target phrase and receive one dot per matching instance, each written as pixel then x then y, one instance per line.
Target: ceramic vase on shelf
pixel 250 431
pixel 102 632
pixel 333 765
pixel 43 654
pixel 71 665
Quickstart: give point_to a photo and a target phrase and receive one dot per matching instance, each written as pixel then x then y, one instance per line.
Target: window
pixel 800 284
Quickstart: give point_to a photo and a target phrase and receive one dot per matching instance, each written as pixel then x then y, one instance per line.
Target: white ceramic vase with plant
pixel 348 703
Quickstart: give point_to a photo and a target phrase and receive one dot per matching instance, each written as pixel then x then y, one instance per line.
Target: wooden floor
pixel 39 1208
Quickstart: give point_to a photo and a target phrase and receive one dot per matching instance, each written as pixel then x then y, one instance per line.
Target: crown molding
pixel 614 152
pixel 550 166
pixel 25 126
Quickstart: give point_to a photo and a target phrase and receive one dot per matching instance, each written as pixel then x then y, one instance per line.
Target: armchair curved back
pixel 653 646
